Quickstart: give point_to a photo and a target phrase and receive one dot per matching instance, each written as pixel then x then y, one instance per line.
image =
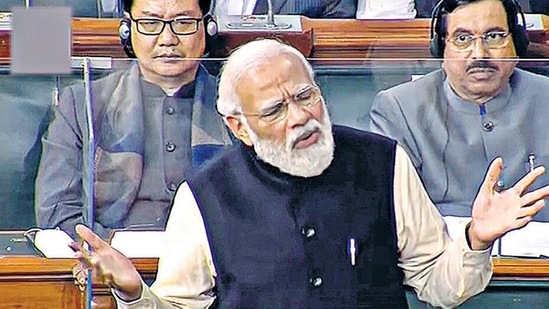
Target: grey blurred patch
pixel 41 40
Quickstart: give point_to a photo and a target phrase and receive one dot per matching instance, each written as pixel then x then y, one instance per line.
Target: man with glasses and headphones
pixel 154 122
pixel 306 214
pixel 453 122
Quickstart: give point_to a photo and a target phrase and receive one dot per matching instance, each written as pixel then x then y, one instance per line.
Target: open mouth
pixel 307 139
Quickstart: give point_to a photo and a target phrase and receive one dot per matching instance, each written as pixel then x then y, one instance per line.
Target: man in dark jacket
pixel 306 215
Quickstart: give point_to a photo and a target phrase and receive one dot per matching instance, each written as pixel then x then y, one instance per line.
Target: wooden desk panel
pixel 30 282
pixel 329 38
pixel 521 269
pixel 41 294
pixel 35 283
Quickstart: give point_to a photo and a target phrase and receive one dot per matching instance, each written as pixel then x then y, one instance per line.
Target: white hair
pixel 241 61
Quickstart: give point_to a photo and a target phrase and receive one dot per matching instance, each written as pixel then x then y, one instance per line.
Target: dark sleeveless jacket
pixel 280 241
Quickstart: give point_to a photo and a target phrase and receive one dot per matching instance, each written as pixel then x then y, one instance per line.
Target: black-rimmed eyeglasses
pixel 155 26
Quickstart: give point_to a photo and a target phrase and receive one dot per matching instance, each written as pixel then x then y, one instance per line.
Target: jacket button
pixel 172 187
pixel 308 232
pixel 170 146
pixel 316 282
pixel 170 110
pixel 488 126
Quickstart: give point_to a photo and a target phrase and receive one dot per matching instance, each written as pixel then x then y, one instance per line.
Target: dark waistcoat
pixel 284 242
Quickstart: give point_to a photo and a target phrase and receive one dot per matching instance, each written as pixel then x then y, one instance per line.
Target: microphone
pixel 270 19
pixel 260 22
pixel 270 15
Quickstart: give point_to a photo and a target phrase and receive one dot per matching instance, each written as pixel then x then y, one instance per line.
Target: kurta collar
pixel 153 91
pixel 469 107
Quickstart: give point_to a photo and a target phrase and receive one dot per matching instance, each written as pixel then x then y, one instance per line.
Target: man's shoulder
pixel 108 81
pixel 419 84
pixel 413 96
pixel 529 79
pixel 365 151
pixel 219 162
pixel 351 137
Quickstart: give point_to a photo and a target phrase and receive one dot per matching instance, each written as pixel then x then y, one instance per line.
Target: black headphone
pixel 444 7
pixel 210 27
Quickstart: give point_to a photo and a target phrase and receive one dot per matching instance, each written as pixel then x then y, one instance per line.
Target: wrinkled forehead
pixel 271 79
pixel 279 69
pixel 478 17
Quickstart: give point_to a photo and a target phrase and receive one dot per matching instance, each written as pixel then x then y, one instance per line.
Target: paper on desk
pixel 5 21
pixel 456 226
pixel 529 241
pixel 533 22
pixel 139 244
pixel 54 243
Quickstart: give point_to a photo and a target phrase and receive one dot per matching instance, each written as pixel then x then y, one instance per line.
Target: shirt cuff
pixel 145 301
pixel 474 256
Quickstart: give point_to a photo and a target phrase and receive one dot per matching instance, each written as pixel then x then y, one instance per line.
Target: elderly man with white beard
pixel 304 214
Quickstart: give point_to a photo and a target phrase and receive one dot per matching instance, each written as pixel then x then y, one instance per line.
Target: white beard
pixel 307 162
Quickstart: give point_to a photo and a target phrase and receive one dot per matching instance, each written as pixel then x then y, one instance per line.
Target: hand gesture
pixel 108 265
pixel 496 213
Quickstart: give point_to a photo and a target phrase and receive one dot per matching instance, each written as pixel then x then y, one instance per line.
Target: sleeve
pixel 387 118
pixel 340 9
pixel 442 271
pixel 185 277
pixel 59 179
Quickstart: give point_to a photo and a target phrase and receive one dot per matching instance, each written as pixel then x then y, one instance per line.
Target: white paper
pixel 54 243
pixel 530 241
pixel 533 22
pixel 5 21
pixel 139 244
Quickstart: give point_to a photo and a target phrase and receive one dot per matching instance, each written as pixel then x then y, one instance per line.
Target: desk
pixel 515 284
pixel 35 283
pixel 328 38
pixel 30 282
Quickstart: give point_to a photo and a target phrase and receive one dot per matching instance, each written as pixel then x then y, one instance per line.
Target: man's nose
pixel 298 115
pixel 479 49
pixel 167 37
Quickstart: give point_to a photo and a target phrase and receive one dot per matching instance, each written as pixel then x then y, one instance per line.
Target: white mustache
pixel 311 126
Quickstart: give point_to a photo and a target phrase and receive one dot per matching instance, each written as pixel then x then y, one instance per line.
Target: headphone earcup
pixel 434 47
pixel 124 32
pixel 211 31
pixel 436 44
pixel 520 39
